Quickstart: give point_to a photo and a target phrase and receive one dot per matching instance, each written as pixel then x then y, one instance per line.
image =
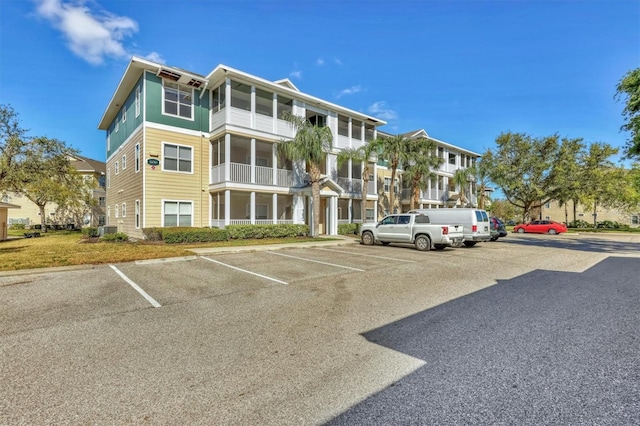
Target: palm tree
pixel 481 176
pixel 461 179
pixel 310 145
pixel 420 163
pixel 394 150
pixel 361 154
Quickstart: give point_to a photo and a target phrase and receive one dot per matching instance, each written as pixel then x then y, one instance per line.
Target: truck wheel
pixel 470 243
pixel 439 246
pixel 367 238
pixel 423 243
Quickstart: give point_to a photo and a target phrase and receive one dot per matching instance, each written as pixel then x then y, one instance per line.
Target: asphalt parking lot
pixel 274 336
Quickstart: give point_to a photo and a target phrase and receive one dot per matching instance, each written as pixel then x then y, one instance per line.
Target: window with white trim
pixel 137 157
pixel 177 213
pixel 137 102
pixel 137 205
pixel 124 209
pixel 115 211
pixel 387 184
pixel 635 220
pixel 177 100
pixel 108 178
pixel 369 215
pixel 108 215
pixel 117 124
pixel 116 168
pixel 124 114
pixel 124 162
pixel 177 158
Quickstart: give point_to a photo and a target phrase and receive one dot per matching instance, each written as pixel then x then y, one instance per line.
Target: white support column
pixel 275 113
pixel 253 107
pixel 227 157
pixel 350 132
pixel 350 207
pixel 227 100
pixel 274 164
pixel 333 216
pixel 252 209
pixel 227 206
pixel 253 160
pixel 274 208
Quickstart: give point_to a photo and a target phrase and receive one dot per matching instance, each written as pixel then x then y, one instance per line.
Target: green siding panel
pixel 125 129
pixel 153 102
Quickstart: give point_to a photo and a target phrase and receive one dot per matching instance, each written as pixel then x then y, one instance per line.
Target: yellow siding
pixel 168 185
pixel 125 187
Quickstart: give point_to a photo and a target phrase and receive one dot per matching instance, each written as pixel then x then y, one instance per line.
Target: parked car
pixel 475 222
pixel 411 229
pixel 498 229
pixel 541 227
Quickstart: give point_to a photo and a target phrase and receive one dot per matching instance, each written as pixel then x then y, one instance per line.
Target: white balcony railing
pixel 219 223
pixel 241 173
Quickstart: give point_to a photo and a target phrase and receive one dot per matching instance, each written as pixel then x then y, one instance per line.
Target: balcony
pixel 350 186
pixel 241 173
pixel 247 119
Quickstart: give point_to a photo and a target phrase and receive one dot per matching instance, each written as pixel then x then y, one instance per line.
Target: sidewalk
pixel 333 241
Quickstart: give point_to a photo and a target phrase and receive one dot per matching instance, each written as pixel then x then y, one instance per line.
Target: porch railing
pixel 241 173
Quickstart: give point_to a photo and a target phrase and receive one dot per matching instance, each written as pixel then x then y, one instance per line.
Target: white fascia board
pixel 222 71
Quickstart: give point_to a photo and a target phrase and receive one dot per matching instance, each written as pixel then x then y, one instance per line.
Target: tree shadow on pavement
pixel 546 347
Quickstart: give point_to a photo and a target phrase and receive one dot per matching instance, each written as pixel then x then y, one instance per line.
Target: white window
pixel 369 215
pixel 137 101
pixel 108 178
pixel 387 184
pixel 108 141
pixel 115 211
pixel 116 168
pixel 124 113
pixel 108 215
pixel 137 157
pixel 177 158
pixel 117 124
pixel 177 213
pixel 137 214
pixel 124 209
pixel 178 100
pixel 124 162
pixel 102 201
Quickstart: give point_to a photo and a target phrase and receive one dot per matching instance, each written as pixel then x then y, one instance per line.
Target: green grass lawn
pixel 62 248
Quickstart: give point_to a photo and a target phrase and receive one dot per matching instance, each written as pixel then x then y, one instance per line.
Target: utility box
pixel 103 230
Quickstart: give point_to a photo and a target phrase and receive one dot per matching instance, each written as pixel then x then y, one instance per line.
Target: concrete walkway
pixel 334 240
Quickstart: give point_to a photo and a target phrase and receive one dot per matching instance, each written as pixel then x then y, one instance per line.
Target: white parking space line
pixel 362 254
pixel 136 287
pixel 315 261
pixel 244 270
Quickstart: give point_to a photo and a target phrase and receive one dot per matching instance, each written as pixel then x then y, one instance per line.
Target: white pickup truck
pixel 411 228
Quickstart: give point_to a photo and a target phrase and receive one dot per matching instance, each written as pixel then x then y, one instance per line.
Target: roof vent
pixel 168 75
pixel 195 83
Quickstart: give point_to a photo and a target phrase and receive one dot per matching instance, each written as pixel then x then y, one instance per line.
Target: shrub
pixel 244 232
pixel 580 224
pixel 17 226
pixel 152 234
pixel 90 231
pixel 117 237
pixel 348 228
pixel 192 235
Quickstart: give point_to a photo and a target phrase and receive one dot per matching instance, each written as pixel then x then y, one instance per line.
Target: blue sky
pixel 463 70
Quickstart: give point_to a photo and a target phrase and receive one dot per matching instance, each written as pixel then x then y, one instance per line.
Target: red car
pixel 541 227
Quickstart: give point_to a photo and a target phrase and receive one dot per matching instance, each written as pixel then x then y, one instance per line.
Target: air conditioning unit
pixel 103 230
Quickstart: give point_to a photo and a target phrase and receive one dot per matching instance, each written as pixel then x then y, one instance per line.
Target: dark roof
pixel 84 164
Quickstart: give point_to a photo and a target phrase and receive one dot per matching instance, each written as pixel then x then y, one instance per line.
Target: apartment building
pixel 185 149
pixel 565 214
pixel 440 192
pixel 28 214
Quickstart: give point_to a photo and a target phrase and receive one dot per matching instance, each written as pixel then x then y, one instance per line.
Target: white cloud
pixel 155 57
pixel 337 61
pixel 381 110
pixel 320 62
pixel 349 91
pixel 90 34
pixel 296 74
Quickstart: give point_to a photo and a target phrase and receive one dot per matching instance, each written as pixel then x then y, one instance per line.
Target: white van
pixel 477 226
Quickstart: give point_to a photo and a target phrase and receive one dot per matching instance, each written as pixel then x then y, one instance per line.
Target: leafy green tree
pixel 504 210
pixel 523 167
pixel 629 89
pixel 568 170
pixel 395 151
pixel 600 179
pixel 421 160
pixel 310 145
pixel 361 154
pixel 12 145
pixel 45 175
